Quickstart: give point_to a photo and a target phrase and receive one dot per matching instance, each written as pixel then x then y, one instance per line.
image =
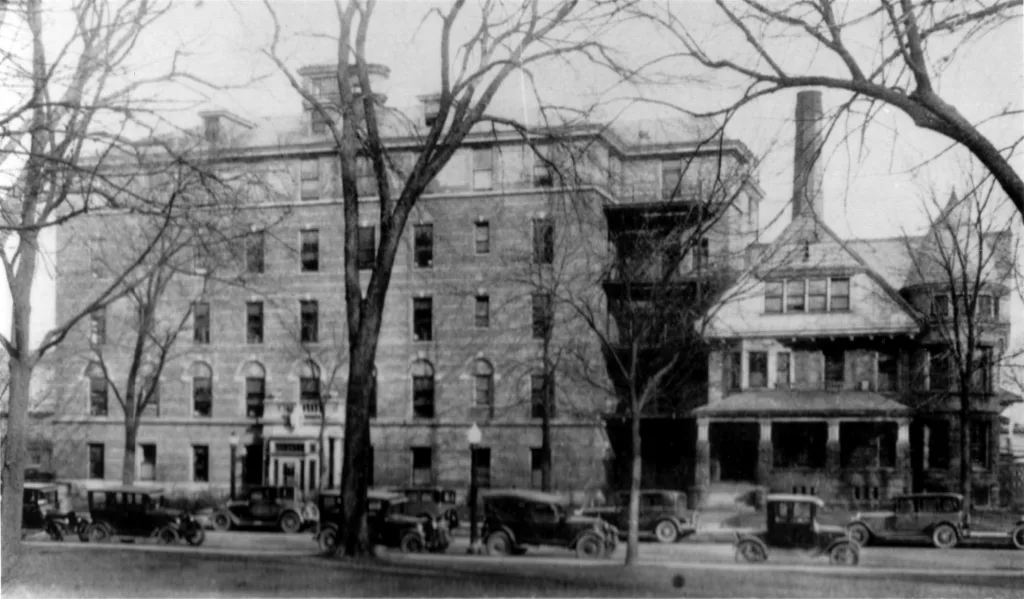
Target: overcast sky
pixel 874 190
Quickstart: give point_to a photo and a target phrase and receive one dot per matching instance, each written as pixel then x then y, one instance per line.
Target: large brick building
pixel 264 361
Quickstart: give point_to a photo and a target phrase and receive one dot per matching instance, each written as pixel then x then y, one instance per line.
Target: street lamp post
pixel 473 436
pixel 233 440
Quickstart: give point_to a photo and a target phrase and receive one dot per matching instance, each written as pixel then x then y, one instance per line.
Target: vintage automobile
pixel 444 500
pixel 129 511
pixel 516 518
pixel 1017 535
pixel 275 507
pixel 938 518
pixel 39 508
pixel 390 520
pixel 793 525
pixel 663 514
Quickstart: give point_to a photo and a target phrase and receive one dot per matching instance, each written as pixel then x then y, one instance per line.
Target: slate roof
pixel 784 402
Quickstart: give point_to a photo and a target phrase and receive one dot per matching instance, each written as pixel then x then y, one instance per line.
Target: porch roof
pixel 794 402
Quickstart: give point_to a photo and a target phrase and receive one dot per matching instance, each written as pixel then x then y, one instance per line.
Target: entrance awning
pixel 777 402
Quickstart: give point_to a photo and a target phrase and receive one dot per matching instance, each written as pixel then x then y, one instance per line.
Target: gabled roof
pixel 789 402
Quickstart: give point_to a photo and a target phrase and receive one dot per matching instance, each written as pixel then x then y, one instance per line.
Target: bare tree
pixel 501 41
pixel 911 43
pixel 59 137
pixel 962 270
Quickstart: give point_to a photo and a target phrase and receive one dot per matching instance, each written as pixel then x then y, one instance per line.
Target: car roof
pixel 528 495
pixel 653 492
pixel 776 497
pixel 385 495
pixel 40 485
pixel 128 489
pixel 930 495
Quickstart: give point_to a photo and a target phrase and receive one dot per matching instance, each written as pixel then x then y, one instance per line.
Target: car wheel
pixel 859 534
pixel 666 531
pixel 751 552
pixel 222 521
pixel 54 531
pixel 98 533
pixel 328 540
pixel 167 536
pixel 944 536
pixel 290 522
pixel 1017 536
pixel 844 554
pixel 195 537
pixel 412 542
pixel 498 543
pixel 589 547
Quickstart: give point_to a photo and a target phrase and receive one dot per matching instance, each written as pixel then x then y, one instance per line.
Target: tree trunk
pixel 965 450
pixel 633 536
pixel 14 465
pixel 355 541
pixel 131 433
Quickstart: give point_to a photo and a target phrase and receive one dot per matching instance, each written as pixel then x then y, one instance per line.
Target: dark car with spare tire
pixel 129 512
pixel 392 520
pixel 938 518
pixel 267 507
pixel 515 519
pixel 663 514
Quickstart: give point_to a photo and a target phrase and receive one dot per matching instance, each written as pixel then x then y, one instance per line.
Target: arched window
pixel 255 389
pixel 422 389
pixel 309 381
pixel 97 390
pixel 202 389
pixel 483 374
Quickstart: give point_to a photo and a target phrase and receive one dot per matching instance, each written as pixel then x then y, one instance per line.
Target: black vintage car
pixel 793 525
pixel 392 522
pixel 516 518
pixel 939 518
pixel 275 507
pixel 129 511
pixel 444 501
pixel 663 514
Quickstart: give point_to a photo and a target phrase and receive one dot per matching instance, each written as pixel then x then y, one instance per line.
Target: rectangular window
pixel 202 396
pixel 254 251
pixel 318 121
pixel 543 173
pixel 482 466
pixel 939 368
pixel 366 178
pixel 542 315
pixel 782 380
pixel 201 322
pixel 839 295
pixel 310 179
pixel 482 237
pixel 817 295
pixel 98 326
pixel 795 296
pixel 980 439
pixel 733 371
pixel 482 312
pixel 773 297
pixel 422 466
pixel 255 393
pixel 985 307
pixel 422 319
pixel 542 393
pixel 309 389
pixel 309 311
pixel 543 241
pixel 152 404
pixel 423 245
pixel 484 390
pixel 981 379
pixel 835 368
pixel 367 251
pixel 940 306
pixel 96 461
pixel 935 445
pixel 536 466
pixel 483 168
pixel 888 372
pixel 757 364
pixel 309 240
pixel 98 395
pixel 254 322
pixel 701 255
pixel 147 465
pixel 423 396
pixel 671 173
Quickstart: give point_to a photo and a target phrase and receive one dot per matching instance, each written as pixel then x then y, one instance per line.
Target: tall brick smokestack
pixel 807 196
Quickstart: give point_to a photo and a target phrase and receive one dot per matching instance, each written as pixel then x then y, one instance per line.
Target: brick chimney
pixel 807 170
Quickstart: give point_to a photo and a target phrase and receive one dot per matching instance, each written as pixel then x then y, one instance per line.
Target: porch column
pixel 702 465
pixel 765 451
pixel 337 461
pixel 903 468
pixel 832 450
